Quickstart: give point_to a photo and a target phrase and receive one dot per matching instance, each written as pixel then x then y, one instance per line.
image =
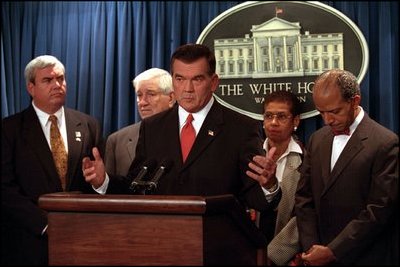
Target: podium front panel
pixel 125 239
pixel 87 229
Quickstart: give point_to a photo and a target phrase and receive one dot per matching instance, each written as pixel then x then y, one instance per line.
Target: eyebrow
pixel 194 77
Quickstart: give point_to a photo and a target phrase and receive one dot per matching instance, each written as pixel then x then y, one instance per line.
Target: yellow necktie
pixel 60 156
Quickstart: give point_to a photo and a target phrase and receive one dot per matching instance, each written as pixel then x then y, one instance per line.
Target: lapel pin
pixel 78 136
pixel 211 133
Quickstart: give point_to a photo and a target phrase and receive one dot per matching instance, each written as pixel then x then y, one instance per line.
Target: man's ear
pixel 31 88
pixel 172 99
pixel 356 101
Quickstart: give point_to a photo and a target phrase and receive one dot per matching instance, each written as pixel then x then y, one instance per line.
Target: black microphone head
pixel 163 168
pixel 150 164
pixel 166 164
pixel 147 168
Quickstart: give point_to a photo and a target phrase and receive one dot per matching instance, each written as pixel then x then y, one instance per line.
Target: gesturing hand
pixel 94 170
pixel 263 168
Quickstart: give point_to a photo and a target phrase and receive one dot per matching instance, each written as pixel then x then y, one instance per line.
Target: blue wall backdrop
pixel 103 45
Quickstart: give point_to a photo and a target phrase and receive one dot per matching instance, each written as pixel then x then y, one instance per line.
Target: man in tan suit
pixel 154 93
pixel 347 196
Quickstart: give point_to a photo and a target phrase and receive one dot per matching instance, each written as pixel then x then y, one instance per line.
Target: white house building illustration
pixel 277 48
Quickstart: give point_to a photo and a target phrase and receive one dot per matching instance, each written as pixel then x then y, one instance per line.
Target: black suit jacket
pixel 28 171
pixel 216 164
pixel 352 209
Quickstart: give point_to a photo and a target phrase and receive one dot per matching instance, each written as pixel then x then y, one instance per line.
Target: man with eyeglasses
pixel 347 196
pixel 154 93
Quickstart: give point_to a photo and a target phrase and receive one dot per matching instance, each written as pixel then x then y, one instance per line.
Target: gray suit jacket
pixel 353 209
pixel 120 149
pixel 285 244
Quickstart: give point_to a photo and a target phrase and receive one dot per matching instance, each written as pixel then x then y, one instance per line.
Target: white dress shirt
pixel 293 146
pixel 340 141
pixel 198 117
pixel 45 123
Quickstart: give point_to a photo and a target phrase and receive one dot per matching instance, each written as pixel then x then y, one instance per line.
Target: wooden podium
pixel 86 229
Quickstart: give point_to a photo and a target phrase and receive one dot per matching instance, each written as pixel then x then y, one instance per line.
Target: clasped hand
pixel 318 255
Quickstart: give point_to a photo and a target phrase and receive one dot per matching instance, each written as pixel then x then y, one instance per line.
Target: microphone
pixel 146 168
pixel 162 169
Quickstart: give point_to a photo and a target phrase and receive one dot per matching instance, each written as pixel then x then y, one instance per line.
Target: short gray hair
pixel 40 62
pixel 164 81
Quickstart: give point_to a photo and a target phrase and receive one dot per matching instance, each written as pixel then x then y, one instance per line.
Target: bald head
pixel 337 79
pixel 336 96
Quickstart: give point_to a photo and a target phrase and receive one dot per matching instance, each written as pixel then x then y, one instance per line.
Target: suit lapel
pixel 289 182
pixel 76 137
pixel 352 148
pixel 171 124
pixel 325 152
pixel 132 140
pixel 130 146
pixel 35 138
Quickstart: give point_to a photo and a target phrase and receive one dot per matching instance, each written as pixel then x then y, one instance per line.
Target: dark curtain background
pixel 103 45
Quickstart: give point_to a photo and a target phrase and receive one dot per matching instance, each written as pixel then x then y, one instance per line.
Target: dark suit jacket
pixel 216 164
pixel 353 209
pixel 120 149
pixel 28 171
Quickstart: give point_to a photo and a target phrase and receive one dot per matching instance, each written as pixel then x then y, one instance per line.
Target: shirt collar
pixel 44 117
pixel 357 120
pixel 198 116
pixel 292 147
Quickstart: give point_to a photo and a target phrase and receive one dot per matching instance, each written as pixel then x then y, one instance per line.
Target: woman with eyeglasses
pixel 281 119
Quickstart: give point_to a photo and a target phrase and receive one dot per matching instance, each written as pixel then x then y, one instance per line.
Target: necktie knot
pixel 189 118
pixel 343 132
pixel 53 119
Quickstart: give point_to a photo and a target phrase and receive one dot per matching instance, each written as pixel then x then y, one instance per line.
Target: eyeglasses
pixel 281 117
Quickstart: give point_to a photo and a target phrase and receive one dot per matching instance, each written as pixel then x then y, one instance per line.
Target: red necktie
pixel 345 132
pixel 188 134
